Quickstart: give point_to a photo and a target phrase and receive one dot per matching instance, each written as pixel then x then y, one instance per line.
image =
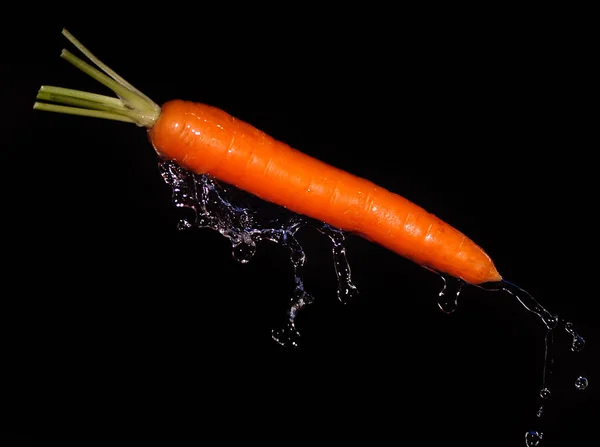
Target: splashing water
pixel 230 211
pixel 448 302
pixel 552 323
pixel 235 215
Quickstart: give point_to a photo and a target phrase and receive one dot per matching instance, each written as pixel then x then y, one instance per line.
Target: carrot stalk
pixel 77 99
pixel 131 105
pixel 49 91
pixel 82 112
pixel 105 68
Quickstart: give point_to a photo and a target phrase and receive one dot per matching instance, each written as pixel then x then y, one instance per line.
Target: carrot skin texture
pixel 207 140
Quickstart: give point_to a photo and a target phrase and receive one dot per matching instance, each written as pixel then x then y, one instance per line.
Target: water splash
pixel 234 214
pixel 552 323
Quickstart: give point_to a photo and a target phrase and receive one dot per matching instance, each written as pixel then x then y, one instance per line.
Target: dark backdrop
pixel 483 121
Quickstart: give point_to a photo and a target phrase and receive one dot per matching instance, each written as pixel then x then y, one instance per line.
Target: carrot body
pixel 207 140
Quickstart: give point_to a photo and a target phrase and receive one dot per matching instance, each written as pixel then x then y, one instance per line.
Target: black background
pixel 483 120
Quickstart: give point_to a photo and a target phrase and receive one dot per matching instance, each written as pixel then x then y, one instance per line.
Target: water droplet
pixel 243 251
pixel 533 438
pixel 184 224
pixel 581 383
pixel 346 289
pixel 540 411
pixel 286 336
pixel 447 304
pixel 578 341
pixel 578 344
pixel 551 321
pixel 545 393
pixel 448 296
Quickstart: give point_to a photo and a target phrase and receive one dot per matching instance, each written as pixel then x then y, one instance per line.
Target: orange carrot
pixel 207 140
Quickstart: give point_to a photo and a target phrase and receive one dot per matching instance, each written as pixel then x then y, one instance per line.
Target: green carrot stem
pixel 92 97
pixel 82 112
pixel 131 105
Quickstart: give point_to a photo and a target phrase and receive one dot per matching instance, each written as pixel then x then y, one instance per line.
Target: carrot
pixel 206 140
